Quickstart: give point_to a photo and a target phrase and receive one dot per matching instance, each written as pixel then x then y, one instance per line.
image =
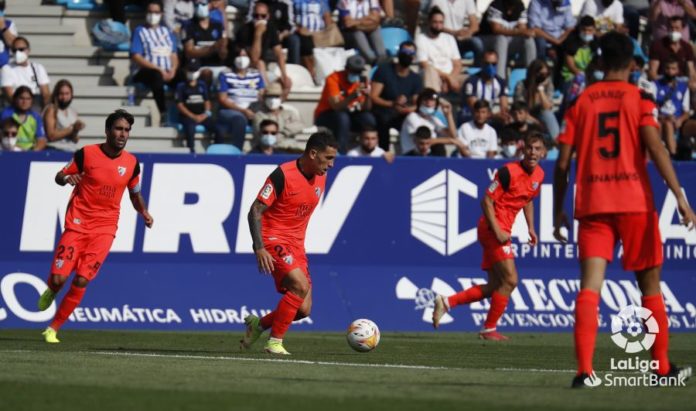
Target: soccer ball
pixel 363 335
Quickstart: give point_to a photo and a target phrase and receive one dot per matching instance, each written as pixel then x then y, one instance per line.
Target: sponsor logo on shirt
pixel 267 190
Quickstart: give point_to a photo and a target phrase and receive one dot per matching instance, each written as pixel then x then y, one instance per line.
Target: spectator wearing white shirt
pixel 22 72
pixel 608 15
pixel 426 116
pixel 478 138
pixel 8 33
pixel 462 22
pixel 360 20
pixel 369 146
pixel 438 55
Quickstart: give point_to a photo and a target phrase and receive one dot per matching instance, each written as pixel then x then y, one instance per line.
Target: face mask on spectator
pixel 273 103
pixel 202 11
pixel 598 75
pixel 675 36
pixel 669 77
pixel 509 150
pixel 64 104
pixel 405 59
pixel 353 78
pixel 9 142
pixel 435 31
pixel 21 57
pixel 428 111
pixel 191 75
pixel 607 3
pixel 268 140
pixel 634 77
pixel 489 70
pixel 242 62
pixel 587 38
pixel 153 19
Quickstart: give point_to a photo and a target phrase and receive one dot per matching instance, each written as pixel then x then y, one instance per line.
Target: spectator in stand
pixel 281 14
pixel 536 90
pixel 661 13
pixel 511 146
pixel 607 14
pixel 438 55
pixel 479 140
pixel 154 56
pixel 61 121
pixel 673 102
pixel 206 41
pixel 505 26
pixel 488 86
pixel 345 102
pixel 669 47
pixel 522 123
pixel 218 12
pixel 461 21
pixel 194 105
pixel 578 51
pixel 30 129
pixel 261 41
pixel 268 139
pixel 441 132
pixel 8 33
pixel 311 16
pixel 178 14
pixel 8 135
pixel 287 121
pixel 368 146
pixel 395 89
pixel 360 20
pixel 552 22
pixel 426 146
pixel 239 91
pixel 22 72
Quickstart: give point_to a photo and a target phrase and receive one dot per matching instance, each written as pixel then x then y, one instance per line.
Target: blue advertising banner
pixel 383 240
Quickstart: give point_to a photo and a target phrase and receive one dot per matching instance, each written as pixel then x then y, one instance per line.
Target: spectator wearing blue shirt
pixel 360 21
pixel 673 100
pixel 153 52
pixel 30 129
pixel 193 103
pixel 552 22
pixel 8 33
pixel 239 91
pixel 486 85
pixel 311 16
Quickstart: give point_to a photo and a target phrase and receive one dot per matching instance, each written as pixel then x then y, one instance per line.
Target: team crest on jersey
pixel 535 185
pixel 317 191
pixel 267 190
pixel 121 171
pixel 493 186
pixel 507 249
pixel 59 264
pixel 288 259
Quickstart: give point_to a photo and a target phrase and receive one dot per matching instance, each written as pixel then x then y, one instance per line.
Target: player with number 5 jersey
pixel 610 127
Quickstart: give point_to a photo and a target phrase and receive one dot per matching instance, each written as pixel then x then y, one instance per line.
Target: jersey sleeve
pixel 648 111
pixel 500 183
pixel 77 164
pixel 134 182
pixel 567 135
pixel 272 188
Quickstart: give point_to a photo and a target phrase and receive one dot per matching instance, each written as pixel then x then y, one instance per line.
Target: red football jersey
pixel 95 203
pixel 603 125
pixel 291 199
pixel 511 189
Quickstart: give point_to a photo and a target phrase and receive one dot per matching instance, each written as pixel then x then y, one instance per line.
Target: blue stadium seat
pixel 552 154
pixel 372 72
pixel 516 75
pixel 393 36
pixel 83 5
pixel 473 70
pixel 224 149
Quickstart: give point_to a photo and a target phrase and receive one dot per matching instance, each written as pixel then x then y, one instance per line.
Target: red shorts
pixel 639 233
pixel 83 253
pixel 285 259
pixel 493 250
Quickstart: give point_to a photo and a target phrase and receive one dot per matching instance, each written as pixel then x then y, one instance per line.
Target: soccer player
pixel 513 188
pixel 610 126
pixel 100 174
pixel 278 221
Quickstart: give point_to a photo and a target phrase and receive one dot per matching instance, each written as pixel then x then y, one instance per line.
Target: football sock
pixel 285 314
pixel 656 304
pixel 267 320
pixel 498 304
pixel 67 306
pixel 586 323
pixel 467 296
pixel 53 287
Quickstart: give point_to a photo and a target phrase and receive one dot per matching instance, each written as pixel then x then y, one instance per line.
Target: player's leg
pixel 297 287
pixel 64 259
pixel 506 281
pixel 306 307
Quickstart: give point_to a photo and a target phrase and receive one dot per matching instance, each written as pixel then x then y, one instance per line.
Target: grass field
pixel 112 370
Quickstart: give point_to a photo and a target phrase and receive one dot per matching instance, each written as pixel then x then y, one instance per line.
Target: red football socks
pixel 285 313
pixel 53 287
pixel 586 323
pixel 498 304
pixel 67 306
pixel 467 296
pixel 267 320
pixel 656 304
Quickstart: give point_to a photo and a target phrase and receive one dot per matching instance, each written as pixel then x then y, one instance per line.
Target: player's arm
pixel 498 187
pixel 136 198
pixel 263 257
pixel 528 210
pixel 651 138
pixel 72 172
pixel 560 186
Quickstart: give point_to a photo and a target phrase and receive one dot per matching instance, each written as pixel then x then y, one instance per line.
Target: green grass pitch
pixel 126 370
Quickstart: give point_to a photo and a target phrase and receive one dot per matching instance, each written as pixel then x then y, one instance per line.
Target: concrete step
pixel 144 133
pixel 11 4
pixel 85 81
pixel 136 145
pixel 85 107
pixel 28 14
pixel 49 34
pixel 96 120
pixel 72 70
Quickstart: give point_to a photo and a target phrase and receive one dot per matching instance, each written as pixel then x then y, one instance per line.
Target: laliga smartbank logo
pixel 634 330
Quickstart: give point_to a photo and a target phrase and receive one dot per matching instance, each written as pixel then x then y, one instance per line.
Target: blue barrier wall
pixel 384 238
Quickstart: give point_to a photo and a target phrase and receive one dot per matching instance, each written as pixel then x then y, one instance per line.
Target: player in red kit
pixel 100 174
pixel 278 222
pixel 610 126
pixel 513 188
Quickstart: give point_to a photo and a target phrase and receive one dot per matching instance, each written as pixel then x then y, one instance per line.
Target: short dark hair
pixel 19 91
pixel 481 103
pixel 534 136
pixel 8 122
pixel 407 43
pixel 117 115
pixel 677 18
pixel 367 128
pixel 423 133
pixel 615 51
pixel 671 60
pixel 268 122
pixel 435 10
pixel 586 21
pixel 20 38
pixel 427 94
pixel 519 106
pixel 157 2
pixel 320 141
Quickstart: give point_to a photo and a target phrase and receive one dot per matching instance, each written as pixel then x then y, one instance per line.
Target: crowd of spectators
pixel 472 82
